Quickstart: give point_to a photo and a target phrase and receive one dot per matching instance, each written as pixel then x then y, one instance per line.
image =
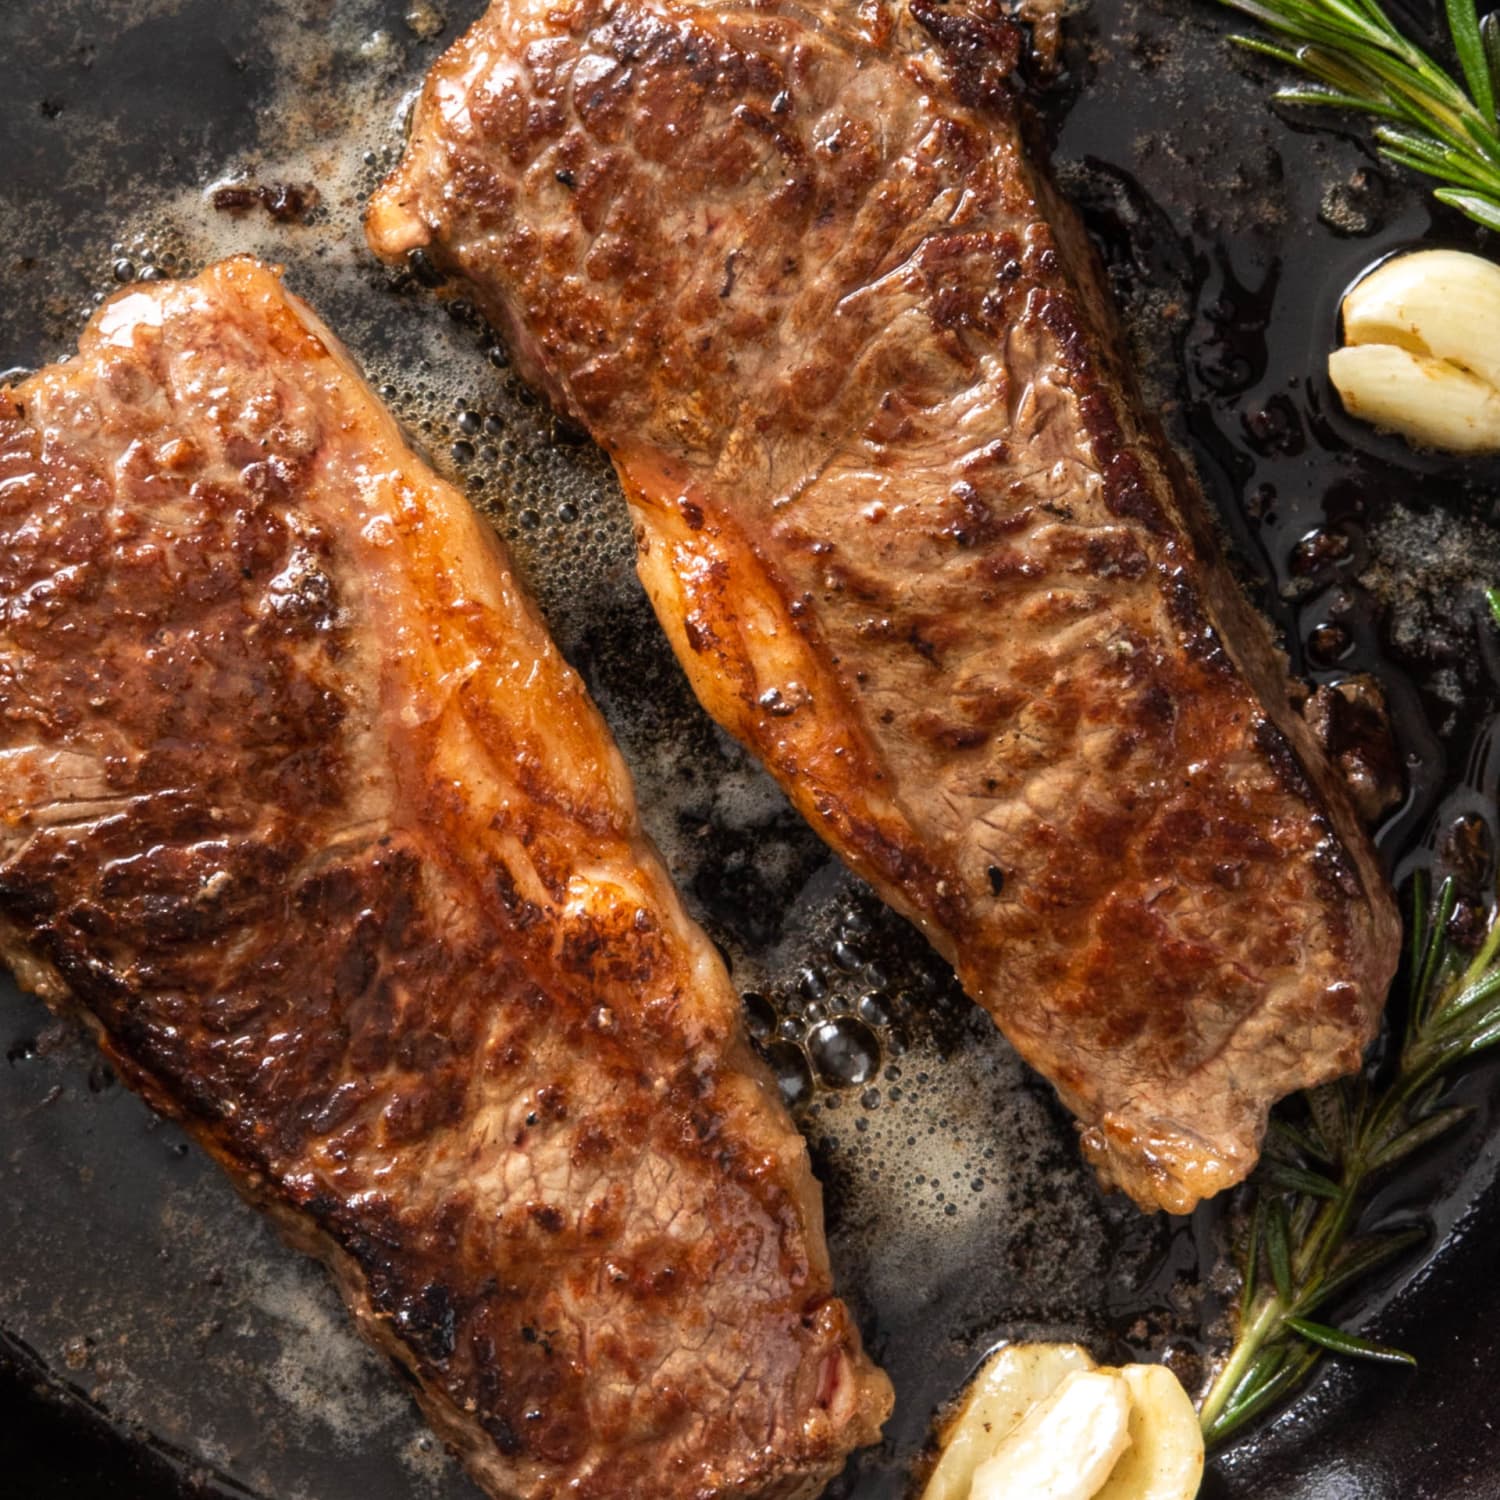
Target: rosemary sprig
pixel 1359 60
pixel 1306 1241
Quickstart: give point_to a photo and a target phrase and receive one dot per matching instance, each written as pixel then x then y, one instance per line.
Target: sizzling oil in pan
pixel 959 1213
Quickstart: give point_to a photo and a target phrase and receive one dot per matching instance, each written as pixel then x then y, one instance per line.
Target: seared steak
pixel 307 817
pixel 911 534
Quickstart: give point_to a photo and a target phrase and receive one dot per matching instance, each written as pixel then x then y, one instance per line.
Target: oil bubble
pixel 845 1051
pixel 760 1019
pixel 846 956
pixel 1328 644
pixel 793 1075
pixel 1318 551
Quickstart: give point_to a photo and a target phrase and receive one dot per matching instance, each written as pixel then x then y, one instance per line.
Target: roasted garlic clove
pixel 1426 400
pixel 1445 303
pixel 1165 1458
pixel 1009 1385
pixel 1063 1448
pixel 1042 1420
pixel 1422 350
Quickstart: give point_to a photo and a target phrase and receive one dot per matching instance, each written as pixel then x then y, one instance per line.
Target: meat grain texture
pixel 306 816
pixel 911 534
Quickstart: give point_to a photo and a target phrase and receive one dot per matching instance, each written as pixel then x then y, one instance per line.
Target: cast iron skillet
pixel 155 1338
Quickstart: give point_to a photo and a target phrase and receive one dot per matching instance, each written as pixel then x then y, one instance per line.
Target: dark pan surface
pixel 155 1337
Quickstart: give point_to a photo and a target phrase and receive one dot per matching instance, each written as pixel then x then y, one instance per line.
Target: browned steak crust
pixel 305 814
pixel 910 534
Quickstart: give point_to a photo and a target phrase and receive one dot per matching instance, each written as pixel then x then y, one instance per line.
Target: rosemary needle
pixel 1357 59
pixel 1306 1241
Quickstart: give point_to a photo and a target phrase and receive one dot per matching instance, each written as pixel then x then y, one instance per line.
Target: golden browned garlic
pixel 1421 351
pixel 1043 1422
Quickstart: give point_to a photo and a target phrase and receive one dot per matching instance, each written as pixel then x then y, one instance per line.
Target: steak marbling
pixel 305 814
pixel 913 539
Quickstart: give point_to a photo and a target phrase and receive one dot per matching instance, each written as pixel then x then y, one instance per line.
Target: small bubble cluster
pixel 832 1019
pixel 154 254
